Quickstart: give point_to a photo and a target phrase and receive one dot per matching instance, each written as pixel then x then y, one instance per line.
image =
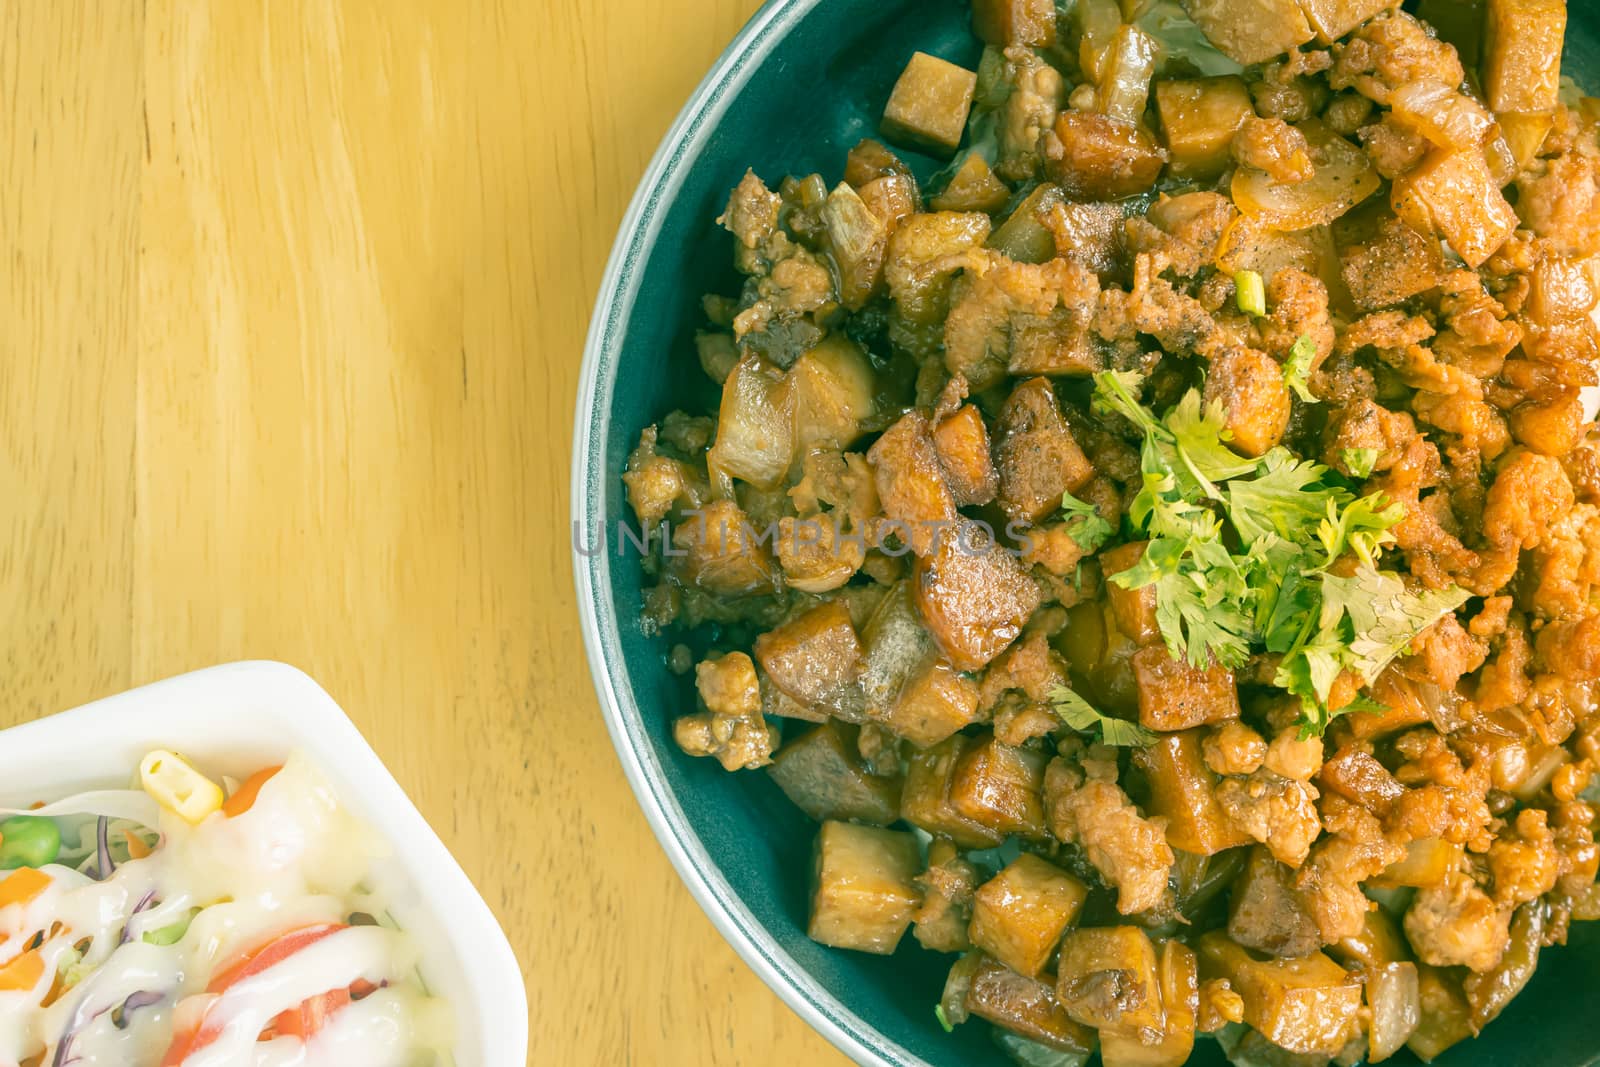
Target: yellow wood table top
pixel 292 303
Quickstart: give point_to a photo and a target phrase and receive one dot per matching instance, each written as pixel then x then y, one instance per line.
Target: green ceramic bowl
pixel 804 81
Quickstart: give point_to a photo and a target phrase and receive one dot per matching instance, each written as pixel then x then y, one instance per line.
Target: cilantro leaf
pixel 1116 392
pixel 1084 524
pixel 1082 716
pixel 1198 433
pixel 1359 461
pixel 1297 368
pixel 1362 527
pixel 1287 498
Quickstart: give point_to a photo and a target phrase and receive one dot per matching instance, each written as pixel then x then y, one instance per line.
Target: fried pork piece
pixel 815 658
pixel 1267 913
pixel 911 482
pixel 1457 924
pixel 1085 805
pixel 1391 51
pixel 1274 146
pixel 1279 812
pixel 947 890
pixel 1021 317
pixel 1175 695
pixel 1037 92
pixel 961 441
pixel 1254 399
pixel 731 729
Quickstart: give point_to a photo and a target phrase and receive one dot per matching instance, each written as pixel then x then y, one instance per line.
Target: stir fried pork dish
pixel 1151 524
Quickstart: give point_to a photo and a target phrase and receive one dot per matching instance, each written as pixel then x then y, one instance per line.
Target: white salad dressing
pixel 296 861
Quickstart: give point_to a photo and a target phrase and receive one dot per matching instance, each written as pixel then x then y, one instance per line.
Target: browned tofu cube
pixel 1267 913
pixel 1453 195
pixel 961 441
pixel 1133 609
pixel 1060 345
pixel 1356 775
pixel 1251 31
pixel 973 187
pixel 1102 159
pixel 897 646
pixel 1255 402
pixel 1108 979
pixel 1001 786
pixel 1020 914
pixel 1522 54
pixel 721 554
pixel 1305 1005
pixel 929 105
pixel 1015 22
pixel 1037 456
pixel 1180 998
pixel 1332 19
pixel 815 658
pixel 1025 1006
pixel 1385 262
pixel 1198 120
pixel 865 888
pixel 910 481
pixel 821 771
pixel 1182 789
pixel 925 799
pixel 973 595
pixel 934 703
pixel 1175 695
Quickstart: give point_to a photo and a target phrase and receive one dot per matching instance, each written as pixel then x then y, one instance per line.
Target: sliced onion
pixel 1442 115
pixel 134 805
pixel 1394 996
pixel 1344 178
pixel 755 427
pixel 1125 88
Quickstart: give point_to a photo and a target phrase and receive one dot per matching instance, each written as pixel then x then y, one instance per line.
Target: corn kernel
pixel 178 787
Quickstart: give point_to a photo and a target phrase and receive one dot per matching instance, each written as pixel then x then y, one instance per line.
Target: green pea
pixel 28 841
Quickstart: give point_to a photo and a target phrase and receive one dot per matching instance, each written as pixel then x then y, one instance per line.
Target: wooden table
pixel 292 302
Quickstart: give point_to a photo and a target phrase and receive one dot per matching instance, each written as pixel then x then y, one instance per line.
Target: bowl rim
pixel 619 289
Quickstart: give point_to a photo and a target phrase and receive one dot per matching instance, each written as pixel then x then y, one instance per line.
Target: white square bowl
pixel 234 719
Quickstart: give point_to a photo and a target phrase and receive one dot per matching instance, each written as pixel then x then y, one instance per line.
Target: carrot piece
pixel 137 849
pixel 271 954
pixel 22 973
pixel 245 796
pixel 23 885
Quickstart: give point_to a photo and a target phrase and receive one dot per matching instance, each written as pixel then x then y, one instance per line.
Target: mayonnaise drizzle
pixel 296 858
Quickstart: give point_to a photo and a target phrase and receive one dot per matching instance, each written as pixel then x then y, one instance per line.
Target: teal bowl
pixel 802 83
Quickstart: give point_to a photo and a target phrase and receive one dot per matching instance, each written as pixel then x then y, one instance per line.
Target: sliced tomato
pixel 272 953
pixel 193 1030
pixel 311 1016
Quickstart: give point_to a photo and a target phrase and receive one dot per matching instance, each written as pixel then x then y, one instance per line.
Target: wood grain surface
pixel 292 302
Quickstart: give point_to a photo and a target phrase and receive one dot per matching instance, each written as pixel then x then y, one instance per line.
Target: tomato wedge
pixel 271 954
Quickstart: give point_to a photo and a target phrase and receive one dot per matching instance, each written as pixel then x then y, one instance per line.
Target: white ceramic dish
pixel 236 718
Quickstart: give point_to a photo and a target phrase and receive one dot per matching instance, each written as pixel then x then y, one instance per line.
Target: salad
pixel 192 923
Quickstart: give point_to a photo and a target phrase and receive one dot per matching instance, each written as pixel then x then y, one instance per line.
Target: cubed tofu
pixel 1332 19
pixel 815 658
pixel 1251 31
pixel 910 481
pixel 832 385
pixel 1355 774
pixel 973 596
pixel 928 108
pixel 1305 1005
pixel 896 647
pixel 1198 120
pixel 1025 1006
pixel 1031 23
pixel 1019 915
pixel 1183 790
pixel 935 702
pixel 864 887
pixel 961 441
pixel 1103 159
pixel 973 187
pixel 1024 235
pixel 1037 457
pixel 1267 913
pixel 822 773
pixel 1133 609
pixel 1256 403
pixel 1001 787
pixel 1385 262
pixel 1108 978
pixel 1453 195
pixel 1522 54
pixel 925 798
pixel 1176 695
